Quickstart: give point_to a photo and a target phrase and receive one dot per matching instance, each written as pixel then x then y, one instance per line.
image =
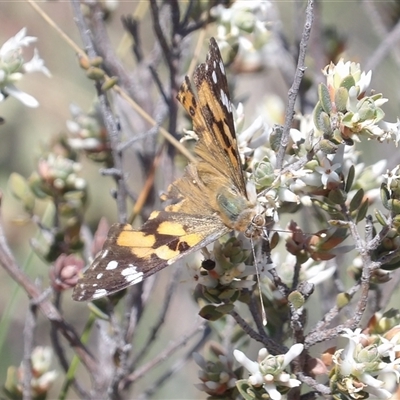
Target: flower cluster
pixel 57 181
pixel 344 111
pixel 13 67
pixel 268 373
pixel 42 376
pixel 87 133
pixel 362 367
pixel 57 174
pixel 222 278
pixel 244 25
pixel 218 378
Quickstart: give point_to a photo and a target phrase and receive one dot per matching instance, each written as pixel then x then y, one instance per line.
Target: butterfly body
pixel 208 201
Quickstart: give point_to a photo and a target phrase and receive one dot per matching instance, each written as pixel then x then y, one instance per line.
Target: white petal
pixel 292 353
pixel 23 97
pixel 241 358
pixel 273 393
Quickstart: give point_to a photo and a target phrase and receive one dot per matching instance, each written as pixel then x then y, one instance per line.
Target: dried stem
pixel 46 307
pixel 293 91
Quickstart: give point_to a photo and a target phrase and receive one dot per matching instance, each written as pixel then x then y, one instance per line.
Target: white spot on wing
pixel 225 101
pixel 221 67
pixel 99 275
pixel 99 293
pixel 104 253
pixel 132 275
pixel 214 77
pixel 112 265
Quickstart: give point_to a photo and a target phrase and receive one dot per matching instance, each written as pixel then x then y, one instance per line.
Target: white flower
pixel 336 73
pixel 327 171
pixel 392 175
pixel 243 18
pixel 13 67
pixel 41 359
pixel 268 371
pixel 358 365
pixel 392 129
pixel 36 64
pixel 15 43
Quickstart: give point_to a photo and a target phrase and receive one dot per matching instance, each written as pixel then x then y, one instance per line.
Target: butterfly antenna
pixel 263 313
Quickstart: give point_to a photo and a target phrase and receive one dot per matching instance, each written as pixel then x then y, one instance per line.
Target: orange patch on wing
pixel 135 238
pixel 171 228
pixel 165 253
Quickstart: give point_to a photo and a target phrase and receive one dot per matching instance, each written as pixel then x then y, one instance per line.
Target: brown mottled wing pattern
pixel 129 256
pixel 212 118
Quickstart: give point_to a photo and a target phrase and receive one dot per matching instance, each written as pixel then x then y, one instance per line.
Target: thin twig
pixel 147 187
pixel 11 267
pixel 163 355
pixel 389 40
pixel 29 329
pixel 108 117
pixel 272 347
pixel 160 33
pixel 182 149
pixel 170 291
pixel 175 367
pixel 316 336
pixel 134 84
pixel 293 91
pixel 60 352
pixel 325 390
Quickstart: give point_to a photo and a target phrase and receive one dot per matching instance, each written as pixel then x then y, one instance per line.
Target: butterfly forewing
pixel 212 117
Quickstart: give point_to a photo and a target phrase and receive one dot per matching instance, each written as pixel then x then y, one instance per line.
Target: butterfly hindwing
pixel 129 255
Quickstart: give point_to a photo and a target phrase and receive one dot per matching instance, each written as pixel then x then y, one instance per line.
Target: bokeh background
pixel 27 131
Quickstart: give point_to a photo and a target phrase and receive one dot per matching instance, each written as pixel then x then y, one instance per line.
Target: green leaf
pixel 341 97
pixel 210 313
pixel 225 308
pixel 325 206
pixel 276 137
pixel 297 299
pixel 316 114
pixel 250 392
pixel 350 179
pixel 362 212
pixel 356 201
pixel 342 300
pixel 324 98
pixel 385 196
pixel 380 218
pixel 20 189
pixel 328 147
pixel 337 196
pixel 348 82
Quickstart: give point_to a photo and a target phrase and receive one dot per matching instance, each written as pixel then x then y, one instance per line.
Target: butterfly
pixel 208 201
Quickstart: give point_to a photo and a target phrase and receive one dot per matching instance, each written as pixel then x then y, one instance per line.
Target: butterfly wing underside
pixel 129 255
pixel 193 219
pixel 212 118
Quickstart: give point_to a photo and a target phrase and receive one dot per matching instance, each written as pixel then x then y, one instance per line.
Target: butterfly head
pixel 256 226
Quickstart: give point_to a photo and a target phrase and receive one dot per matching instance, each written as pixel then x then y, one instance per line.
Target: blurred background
pixel 28 130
